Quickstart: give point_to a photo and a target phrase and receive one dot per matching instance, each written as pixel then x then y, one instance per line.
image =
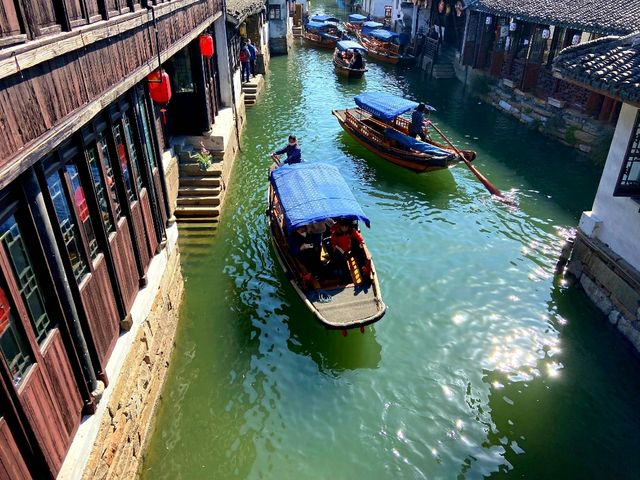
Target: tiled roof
pixel 239 10
pixel 610 65
pixel 609 17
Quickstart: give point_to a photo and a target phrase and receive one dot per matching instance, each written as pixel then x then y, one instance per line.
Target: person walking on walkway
pixel 253 54
pixel 245 62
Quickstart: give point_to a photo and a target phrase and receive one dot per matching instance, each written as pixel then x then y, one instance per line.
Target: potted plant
pixel 203 157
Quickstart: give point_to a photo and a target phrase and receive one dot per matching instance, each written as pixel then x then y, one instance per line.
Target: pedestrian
pixel 245 62
pixel 253 54
pixel 294 155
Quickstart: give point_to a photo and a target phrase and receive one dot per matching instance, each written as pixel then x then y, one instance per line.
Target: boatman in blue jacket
pixel 294 155
pixel 417 126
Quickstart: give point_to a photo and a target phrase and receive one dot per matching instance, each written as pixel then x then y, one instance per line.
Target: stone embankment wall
pixel 117 451
pixel 553 118
pixel 611 283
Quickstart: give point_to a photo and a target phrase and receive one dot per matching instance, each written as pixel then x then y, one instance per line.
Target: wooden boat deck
pixel 343 307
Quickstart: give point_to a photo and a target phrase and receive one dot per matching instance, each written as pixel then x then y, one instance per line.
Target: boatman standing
pixel 417 126
pixel 294 155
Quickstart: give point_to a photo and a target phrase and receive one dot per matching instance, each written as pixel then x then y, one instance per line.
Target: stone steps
pixel 199 191
pixel 443 70
pixel 204 213
pixel 199 200
pixel 194 170
pixel 199 181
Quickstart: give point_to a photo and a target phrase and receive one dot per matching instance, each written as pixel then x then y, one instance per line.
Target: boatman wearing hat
pixel 294 155
pixel 417 122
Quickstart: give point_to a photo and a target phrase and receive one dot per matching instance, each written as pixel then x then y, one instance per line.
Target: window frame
pixel 272 11
pixel 631 156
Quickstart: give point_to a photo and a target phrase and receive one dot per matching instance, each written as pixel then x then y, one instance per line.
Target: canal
pixel 484 366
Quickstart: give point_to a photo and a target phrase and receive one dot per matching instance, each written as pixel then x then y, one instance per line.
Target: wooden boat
pixel 321 34
pixel 311 194
pixel 354 25
pixel 380 45
pixel 377 125
pixel 342 59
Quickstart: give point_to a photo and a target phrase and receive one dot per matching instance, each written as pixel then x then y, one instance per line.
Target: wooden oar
pixel 492 189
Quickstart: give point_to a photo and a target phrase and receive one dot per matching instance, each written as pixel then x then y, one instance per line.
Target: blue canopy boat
pixel 377 123
pixel 324 19
pixel 383 45
pixel 323 34
pixel 342 291
pixel 342 59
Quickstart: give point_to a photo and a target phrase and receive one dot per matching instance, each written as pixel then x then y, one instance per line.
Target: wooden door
pixel 32 346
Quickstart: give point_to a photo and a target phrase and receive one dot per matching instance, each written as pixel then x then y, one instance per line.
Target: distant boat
pixel 345 49
pixel 315 194
pixel 354 25
pixel 377 125
pixel 322 34
pixel 381 45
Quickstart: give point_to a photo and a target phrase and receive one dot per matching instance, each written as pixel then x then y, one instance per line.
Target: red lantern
pixel 159 87
pixel 5 309
pixel 206 45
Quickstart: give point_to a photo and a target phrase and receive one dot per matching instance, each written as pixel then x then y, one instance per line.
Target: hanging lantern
pixel 159 87
pixel 207 48
pixel 488 20
pixel 513 26
pixel 546 33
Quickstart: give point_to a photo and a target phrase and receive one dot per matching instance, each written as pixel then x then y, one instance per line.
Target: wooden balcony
pixel 70 67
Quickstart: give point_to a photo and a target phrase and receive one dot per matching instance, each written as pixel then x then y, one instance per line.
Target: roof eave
pixel 602 91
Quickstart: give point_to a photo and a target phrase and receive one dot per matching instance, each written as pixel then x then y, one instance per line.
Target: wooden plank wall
pixel 12 465
pixel 39 98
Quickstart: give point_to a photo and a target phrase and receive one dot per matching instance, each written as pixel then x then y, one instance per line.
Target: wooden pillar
pixel 607 106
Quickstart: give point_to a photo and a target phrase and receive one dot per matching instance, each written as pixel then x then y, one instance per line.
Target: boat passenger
pixel 356 62
pixel 305 246
pixel 345 241
pixel 418 121
pixel 294 155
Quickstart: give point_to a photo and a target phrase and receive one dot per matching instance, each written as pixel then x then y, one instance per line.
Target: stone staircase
pixel 297 32
pixel 252 89
pixel 195 239
pixel 199 192
pixel 443 68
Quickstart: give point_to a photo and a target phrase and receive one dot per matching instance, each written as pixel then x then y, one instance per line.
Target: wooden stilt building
pixel 83 199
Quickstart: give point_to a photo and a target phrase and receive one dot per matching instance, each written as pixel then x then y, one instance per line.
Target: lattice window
pixel 83 209
pixel 274 12
pixel 111 183
pixel 133 153
pixel 13 345
pixel 629 180
pixel 30 290
pixel 124 165
pixel 143 115
pixel 96 176
pixel 70 233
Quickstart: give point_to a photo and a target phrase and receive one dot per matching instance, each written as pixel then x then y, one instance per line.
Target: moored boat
pixel 354 25
pixel 382 45
pixel 341 290
pixel 342 59
pixel 321 34
pixel 377 124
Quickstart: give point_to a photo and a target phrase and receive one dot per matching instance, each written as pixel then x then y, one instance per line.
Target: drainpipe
pixel 60 280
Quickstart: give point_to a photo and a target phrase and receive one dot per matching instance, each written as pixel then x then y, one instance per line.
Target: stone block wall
pixel 611 283
pixel 127 421
pixel 171 172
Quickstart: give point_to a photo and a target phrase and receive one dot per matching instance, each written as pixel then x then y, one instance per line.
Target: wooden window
pixel 111 184
pixel 274 12
pixel 70 233
pixel 629 180
pixel 134 153
pixel 181 77
pixel 13 343
pixel 25 277
pixel 124 164
pixel 143 115
pixel 82 208
pixel 100 188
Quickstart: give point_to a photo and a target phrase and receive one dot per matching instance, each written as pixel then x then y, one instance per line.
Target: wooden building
pixel 83 199
pixel 606 255
pixel 517 40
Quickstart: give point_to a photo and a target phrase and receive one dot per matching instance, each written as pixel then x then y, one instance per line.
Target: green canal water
pixel 484 366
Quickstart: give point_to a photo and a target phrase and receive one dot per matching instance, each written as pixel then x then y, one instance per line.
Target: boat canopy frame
pixel 345 45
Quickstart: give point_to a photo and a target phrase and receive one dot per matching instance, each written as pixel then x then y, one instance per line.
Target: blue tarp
pixel 324 18
pixel 317 25
pixel 384 35
pixel 371 24
pixel 410 142
pixel 312 192
pixel 349 44
pixel 384 105
pixel 357 18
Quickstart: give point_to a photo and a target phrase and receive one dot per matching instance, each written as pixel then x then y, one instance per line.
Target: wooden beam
pixel 21 57
pixel 45 143
pixel 601 91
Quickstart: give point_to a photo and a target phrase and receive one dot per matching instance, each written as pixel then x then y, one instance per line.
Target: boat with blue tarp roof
pixel 312 213
pixel 378 124
pixel 322 33
pixel 383 45
pixel 354 23
pixel 347 59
